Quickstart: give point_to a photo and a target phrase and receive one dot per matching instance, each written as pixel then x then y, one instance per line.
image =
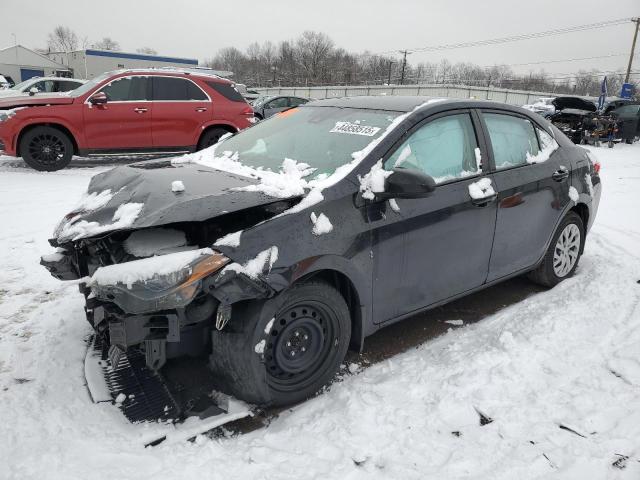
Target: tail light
pixel 248 111
pixel 595 163
pixel 596 167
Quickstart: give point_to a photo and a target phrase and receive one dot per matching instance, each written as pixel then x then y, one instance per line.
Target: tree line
pixel 313 59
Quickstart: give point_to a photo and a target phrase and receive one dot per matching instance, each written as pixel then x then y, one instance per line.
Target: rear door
pixel 429 249
pixel 180 109
pixel 124 122
pixel 532 177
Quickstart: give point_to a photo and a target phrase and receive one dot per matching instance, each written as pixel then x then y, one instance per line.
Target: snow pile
pixel 288 182
pixel 229 240
pixel 589 183
pixel 145 243
pixel 257 265
pixel 321 224
pixel 123 217
pixel 548 144
pixel 481 189
pixel 177 186
pixel 259 347
pixel 573 194
pixel 93 201
pixel 478 155
pixel 145 269
pixel 373 182
pixel 393 203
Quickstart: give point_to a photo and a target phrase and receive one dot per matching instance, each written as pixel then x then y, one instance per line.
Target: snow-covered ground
pixel 559 374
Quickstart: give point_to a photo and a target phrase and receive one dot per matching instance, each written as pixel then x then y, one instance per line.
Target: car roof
pixel 79 80
pixel 170 71
pixel 408 103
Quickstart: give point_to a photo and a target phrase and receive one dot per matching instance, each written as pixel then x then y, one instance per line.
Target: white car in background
pixel 42 85
pixel 543 106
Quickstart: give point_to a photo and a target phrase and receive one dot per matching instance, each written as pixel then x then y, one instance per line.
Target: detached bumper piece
pixel 144 396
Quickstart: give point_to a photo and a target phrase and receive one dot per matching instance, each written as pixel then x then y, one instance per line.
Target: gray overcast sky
pixel 198 28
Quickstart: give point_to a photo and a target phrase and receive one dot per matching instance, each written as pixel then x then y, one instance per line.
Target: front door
pixel 180 109
pixel 429 249
pixel 532 179
pixel 124 122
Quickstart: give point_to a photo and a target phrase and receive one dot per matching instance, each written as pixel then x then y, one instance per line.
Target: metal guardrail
pixel 513 97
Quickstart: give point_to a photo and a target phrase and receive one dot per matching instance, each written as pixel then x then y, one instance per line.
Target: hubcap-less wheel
pixel 46 149
pixel 566 251
pixel 299 345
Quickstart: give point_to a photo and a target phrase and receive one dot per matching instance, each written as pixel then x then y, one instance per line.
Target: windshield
pixel 84 88
pixel 21 85
pixel 322 137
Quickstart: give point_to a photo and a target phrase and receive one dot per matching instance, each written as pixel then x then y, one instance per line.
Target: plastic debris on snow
pixel 229 240
pixel 254 267
pixel 573 194
pixel 145 243
pixel 123 217
pixel 321 224
pixel 177 186
pixel 373 182
pixel 145 269
pixel 481 189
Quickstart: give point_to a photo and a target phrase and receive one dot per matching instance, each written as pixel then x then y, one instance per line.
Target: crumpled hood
pixel 148 186
pixel 35 100
pixel 574 102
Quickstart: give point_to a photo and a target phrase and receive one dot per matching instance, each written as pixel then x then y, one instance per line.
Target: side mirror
pixel 99 98
pixel 33 91
pixel 405 183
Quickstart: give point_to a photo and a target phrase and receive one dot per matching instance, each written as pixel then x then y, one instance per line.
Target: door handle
pixel 201 109
pixel 560 174
pixel 484 201
pixel 140 109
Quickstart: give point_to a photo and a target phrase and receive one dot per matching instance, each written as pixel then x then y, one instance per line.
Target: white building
pixel 89 63
pixel 21 63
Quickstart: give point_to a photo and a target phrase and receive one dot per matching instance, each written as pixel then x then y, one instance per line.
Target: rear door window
pixel 127 89
pixel 174 89
pixel 512 138
pixel 294 101
pixel 444 148
pixel 278 103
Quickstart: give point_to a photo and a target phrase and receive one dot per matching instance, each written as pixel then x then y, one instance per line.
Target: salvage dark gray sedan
pixel 268 255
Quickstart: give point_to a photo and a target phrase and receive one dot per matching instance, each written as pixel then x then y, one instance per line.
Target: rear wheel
pixel 46 149
pixel 211 137
pixel 563 254
pixel 296 344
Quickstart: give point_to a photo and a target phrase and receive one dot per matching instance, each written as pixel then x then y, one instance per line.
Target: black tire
pixel 283 350
pixel 46 149
pixel 258 117
pixel 546 274
pixel 211 137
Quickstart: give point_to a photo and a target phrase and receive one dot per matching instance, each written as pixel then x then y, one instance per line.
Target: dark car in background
pixel 394 206
pixel 127 112
pixel 264 107
pixel 628 117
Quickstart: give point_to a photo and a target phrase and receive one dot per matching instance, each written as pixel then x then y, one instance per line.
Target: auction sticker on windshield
pixel 354 129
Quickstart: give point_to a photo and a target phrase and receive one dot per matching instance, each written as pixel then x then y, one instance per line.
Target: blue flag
pixel 603 94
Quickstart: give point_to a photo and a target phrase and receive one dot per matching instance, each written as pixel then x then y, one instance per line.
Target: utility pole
pixel 633 47
pixel 404 64
pixel 389 80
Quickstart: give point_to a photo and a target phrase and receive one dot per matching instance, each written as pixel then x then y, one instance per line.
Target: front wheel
pixel 46 149
pixel 563 254
pixel 288 349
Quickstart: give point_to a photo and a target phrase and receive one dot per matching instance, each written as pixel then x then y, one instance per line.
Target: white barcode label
pixel 354 129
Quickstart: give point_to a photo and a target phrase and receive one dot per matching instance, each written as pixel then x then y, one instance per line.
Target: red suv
pixel 123 113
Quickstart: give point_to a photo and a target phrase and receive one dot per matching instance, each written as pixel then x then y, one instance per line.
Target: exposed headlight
pixel 174 289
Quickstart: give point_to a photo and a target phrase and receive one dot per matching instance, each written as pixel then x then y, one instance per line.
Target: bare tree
pixel 107 43
pixel 62 39
pixel 147 51
pixel 314 49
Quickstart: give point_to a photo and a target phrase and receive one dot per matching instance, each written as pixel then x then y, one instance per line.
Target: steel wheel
pixel 566 250
pixel 299 345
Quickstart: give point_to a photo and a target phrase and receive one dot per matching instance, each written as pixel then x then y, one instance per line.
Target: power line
pixel 517 38
pixel 558 61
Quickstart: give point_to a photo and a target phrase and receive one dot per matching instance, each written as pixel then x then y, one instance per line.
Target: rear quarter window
pixel 227 91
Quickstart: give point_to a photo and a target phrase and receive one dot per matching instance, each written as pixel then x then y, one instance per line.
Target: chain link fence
pixel 512 97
